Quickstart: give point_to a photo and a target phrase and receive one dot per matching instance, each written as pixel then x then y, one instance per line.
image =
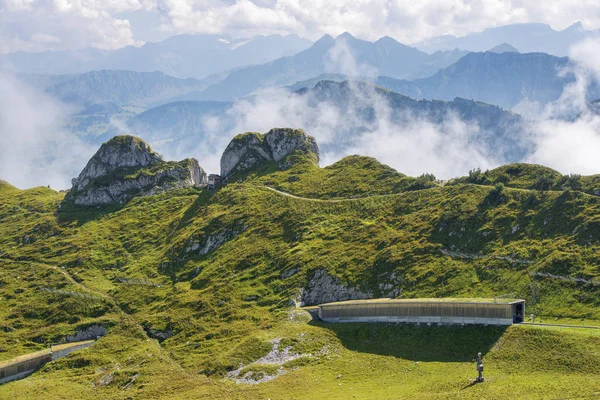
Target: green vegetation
pixel 221 301
pixel 126 140
pixel 351 177
pixel 533 177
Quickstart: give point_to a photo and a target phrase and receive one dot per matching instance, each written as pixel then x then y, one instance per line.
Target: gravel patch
pixel 276 356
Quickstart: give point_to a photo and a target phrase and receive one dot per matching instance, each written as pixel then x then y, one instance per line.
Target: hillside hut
pixel 214 180
pixel 442 311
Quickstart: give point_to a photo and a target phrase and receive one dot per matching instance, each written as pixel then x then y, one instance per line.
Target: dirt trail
pixel 391 194
pixel 329 200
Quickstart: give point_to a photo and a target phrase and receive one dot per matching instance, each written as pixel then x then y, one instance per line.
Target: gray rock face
pixel 209 243
pixel 249 150
pixel 159 335
pixel 91 332
pixel 282 142
pixel 324 288
pixel 120 151
pixel 125 167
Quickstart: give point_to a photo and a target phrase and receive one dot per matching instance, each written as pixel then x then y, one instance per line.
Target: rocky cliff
pixel 125 167
pixel 249 150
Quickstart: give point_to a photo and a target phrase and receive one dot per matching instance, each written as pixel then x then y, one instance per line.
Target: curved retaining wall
pixel 437 311
pixel 22 366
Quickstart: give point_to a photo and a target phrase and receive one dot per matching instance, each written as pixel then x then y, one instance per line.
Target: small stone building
pixel 443 311
pixel 214 180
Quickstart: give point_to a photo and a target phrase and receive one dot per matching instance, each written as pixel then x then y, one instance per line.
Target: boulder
pixel 250 150
pixel 125 167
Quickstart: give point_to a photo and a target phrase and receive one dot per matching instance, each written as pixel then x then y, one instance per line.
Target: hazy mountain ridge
pixel 527 37
pixel 345 54
pixel 504 48
pixel 504 79
pixel 178 120
pixel 184 56
pixel 121 87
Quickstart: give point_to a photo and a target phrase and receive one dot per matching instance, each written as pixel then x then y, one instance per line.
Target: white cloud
pixel 82 23
pixel 35 150
pixel 406 20
pixel 43 38
pixel 572 146
pixel 38 25
pixel 569 147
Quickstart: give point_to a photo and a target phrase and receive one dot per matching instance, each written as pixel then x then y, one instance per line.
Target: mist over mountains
pixel 445 112
pixel 498 77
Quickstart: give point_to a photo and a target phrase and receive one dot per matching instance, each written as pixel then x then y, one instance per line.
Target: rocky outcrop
pixel 89 333
pixel 250 150
pixel 209 243
pixel 120 151
pixel 125 167
pixel 324 288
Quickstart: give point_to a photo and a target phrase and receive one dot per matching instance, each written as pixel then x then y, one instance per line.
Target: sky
pixel 39 25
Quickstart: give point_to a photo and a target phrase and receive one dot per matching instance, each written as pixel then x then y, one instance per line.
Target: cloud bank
pixel 36 25
pixel 572 146
pixel 35 150
pixel 39 25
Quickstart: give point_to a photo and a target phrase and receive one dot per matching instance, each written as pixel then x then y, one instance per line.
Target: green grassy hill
pixel 230 264
pixel 534 177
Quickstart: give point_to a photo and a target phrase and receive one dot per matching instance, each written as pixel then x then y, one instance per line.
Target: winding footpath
pixel 399 193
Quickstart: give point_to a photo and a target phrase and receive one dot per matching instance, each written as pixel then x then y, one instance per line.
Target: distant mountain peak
pixel 386 39
pixel 325 39
pixel 345 35
pixel 576 26
pixel 504 48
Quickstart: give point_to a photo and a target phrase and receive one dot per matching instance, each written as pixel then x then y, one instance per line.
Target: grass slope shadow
pixel 447 343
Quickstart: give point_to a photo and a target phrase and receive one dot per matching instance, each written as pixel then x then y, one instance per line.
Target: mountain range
pixel 527 37
pixel 344 54
pixel 503 79
pixel 499 77
pixel 183 56
pixel 122 88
